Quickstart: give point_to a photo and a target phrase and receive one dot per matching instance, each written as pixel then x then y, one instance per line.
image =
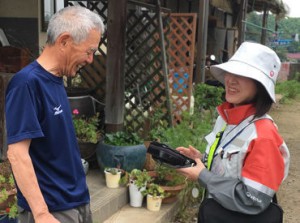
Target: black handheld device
pixel 162 153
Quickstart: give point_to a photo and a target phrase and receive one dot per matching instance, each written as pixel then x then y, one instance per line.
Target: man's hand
pixel 46 218
pixel 22 167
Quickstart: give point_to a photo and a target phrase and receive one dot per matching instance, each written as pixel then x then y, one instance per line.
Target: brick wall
pixel 288 71
pixel 12 59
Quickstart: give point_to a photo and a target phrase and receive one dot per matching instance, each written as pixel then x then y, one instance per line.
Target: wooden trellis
pixel 181 61
pixel 145 89
pixel 93 75
pixel 144 79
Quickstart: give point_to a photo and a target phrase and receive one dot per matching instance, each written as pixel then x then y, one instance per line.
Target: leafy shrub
pixel 122 138
pixel 207 97
pixel 288 89
pixel 86 128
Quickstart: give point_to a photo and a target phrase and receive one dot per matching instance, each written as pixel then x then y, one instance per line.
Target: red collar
pixel 234 115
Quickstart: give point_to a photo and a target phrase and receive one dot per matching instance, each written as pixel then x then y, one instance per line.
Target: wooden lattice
pixel 181 60
pixel 93 75
pixel 144 78
pixel 145 90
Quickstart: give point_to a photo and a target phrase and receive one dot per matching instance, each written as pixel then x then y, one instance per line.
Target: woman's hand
pixel 192 173
pixel 190 152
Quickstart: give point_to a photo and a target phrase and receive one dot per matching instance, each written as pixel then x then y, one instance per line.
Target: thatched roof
pixel 275 6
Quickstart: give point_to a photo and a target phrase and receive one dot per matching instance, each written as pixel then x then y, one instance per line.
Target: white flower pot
pixel 136 197
pixel 153 203
pixel 112 181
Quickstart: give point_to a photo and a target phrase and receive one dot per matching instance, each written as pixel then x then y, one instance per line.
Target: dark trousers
pixel 212 212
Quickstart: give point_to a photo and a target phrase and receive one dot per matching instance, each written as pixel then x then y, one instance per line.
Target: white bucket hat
pixel 254 61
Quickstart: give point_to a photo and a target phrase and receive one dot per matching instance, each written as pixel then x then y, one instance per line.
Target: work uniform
pixel 250 162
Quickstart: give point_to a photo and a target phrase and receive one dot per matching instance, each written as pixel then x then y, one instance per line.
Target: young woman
pixel 246 159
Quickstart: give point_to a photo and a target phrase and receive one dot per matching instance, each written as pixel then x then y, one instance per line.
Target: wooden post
pixel 115 87
pixel 201 40
pixel 264 25
pixel 242 24
pixel 164 61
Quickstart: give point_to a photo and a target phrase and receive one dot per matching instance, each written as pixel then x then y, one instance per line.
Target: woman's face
pixel 239 90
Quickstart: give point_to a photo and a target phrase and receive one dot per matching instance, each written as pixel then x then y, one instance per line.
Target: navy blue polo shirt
pixel 37 108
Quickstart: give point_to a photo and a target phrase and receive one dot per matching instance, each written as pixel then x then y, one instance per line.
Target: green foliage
pixel 2 179
pixel 297 76
pixel 287 28
pixel 167 176
pixel 112 170
pixel 138 177
pixel 208 97
pixel 13 210
pixel 190 131
pixel 86 128
pixel 3 195
pixel 7 190
pixel 281 52
pixel 157 125
pixel 193 127
pixel 122 138
pixel 187 201
pixel 288 89
pixel 154 190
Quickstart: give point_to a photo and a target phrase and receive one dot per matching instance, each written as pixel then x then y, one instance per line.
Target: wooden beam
pixel 116 30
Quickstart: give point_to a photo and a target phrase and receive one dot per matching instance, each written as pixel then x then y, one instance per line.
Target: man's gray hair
pixel 78 21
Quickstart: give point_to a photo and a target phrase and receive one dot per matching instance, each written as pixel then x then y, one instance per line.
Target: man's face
pixel 80 54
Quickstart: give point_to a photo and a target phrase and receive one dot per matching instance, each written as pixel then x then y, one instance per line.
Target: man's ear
pixel 64 40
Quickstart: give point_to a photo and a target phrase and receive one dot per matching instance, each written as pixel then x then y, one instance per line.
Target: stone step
pixel 111 205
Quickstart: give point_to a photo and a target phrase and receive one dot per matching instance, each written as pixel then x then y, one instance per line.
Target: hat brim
pixel 245 70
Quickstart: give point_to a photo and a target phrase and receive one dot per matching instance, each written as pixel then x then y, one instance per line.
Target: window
pixel 49 7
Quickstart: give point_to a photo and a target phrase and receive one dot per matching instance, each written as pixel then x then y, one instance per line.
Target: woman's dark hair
pixel 262 101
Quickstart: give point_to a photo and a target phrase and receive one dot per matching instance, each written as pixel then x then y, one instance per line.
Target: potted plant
pixel 8 200
pixel 171 181
pixel 155 194
pixel 137 181
pixel 112 177
pixel 123 149
pixel 88 134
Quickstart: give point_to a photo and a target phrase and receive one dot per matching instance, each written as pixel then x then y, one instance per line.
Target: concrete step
pixel 129 214
pixel 104 201
pixel 111 205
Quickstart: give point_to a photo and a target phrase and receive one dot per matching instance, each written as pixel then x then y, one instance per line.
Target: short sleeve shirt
pixel 37 108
